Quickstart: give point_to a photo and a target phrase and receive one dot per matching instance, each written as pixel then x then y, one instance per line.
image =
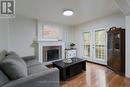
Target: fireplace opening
pixel 52 54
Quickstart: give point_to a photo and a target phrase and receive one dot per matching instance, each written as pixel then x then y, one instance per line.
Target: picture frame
pixel 50 33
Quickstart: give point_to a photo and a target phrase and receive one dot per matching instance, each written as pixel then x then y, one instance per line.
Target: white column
pixel 128 46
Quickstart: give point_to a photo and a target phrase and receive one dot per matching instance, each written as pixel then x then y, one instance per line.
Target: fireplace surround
pixel 51 53
pixel 49 48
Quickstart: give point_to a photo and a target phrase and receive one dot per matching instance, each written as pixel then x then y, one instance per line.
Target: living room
pixel 40 30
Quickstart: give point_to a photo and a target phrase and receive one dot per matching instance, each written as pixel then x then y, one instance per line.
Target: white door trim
pixel 92 57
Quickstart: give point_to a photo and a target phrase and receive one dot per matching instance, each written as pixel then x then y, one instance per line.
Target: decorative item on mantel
pixel 34 42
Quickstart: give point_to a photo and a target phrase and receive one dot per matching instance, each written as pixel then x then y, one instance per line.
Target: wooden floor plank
pixel 96 76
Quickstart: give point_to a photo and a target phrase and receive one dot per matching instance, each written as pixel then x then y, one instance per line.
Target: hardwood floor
pixel 96 76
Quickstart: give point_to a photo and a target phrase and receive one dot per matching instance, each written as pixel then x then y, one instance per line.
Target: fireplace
pixel 51 53
pixel 43 49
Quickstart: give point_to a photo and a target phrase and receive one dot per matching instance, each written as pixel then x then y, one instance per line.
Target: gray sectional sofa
pixel 25 72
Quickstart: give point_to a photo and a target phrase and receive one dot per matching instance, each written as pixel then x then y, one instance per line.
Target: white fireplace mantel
pixel 40 44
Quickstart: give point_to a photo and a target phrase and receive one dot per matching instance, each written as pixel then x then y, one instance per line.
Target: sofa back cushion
pixel 14 66
pixel 3 79
pixel 3 54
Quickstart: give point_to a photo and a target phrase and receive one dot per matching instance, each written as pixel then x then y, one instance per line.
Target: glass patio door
pixel 87 45
pixel 95 45
pixel 99 48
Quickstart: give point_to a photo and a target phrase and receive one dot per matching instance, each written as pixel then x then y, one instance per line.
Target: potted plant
pixel 72 45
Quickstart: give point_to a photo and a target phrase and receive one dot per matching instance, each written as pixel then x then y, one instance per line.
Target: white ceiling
pixel 51 10
pixel 124 6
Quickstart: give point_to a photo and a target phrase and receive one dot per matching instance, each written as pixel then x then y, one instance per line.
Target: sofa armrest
pixel 27 58
pixel 49 78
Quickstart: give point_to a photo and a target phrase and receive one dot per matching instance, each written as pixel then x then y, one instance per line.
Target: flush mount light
pixel 68 12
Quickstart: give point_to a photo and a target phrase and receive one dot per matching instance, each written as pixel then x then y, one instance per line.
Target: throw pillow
pixel 13 66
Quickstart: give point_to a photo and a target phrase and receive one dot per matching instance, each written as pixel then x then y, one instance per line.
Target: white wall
pixel 4 26
pixel 128 46
pixel 65 32
pixel 117 20
pixel 21 33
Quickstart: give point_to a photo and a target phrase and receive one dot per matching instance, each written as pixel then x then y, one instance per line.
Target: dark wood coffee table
pixel 68 70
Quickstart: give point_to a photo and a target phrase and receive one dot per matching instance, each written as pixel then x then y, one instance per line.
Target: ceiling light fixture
pixel 68 13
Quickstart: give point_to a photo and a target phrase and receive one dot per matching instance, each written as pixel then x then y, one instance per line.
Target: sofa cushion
pixel 36 69
pixel 3 54
pixel 13 54
pixel 32 63
pixel 14 66
pixel 28 58
pixel 3 79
